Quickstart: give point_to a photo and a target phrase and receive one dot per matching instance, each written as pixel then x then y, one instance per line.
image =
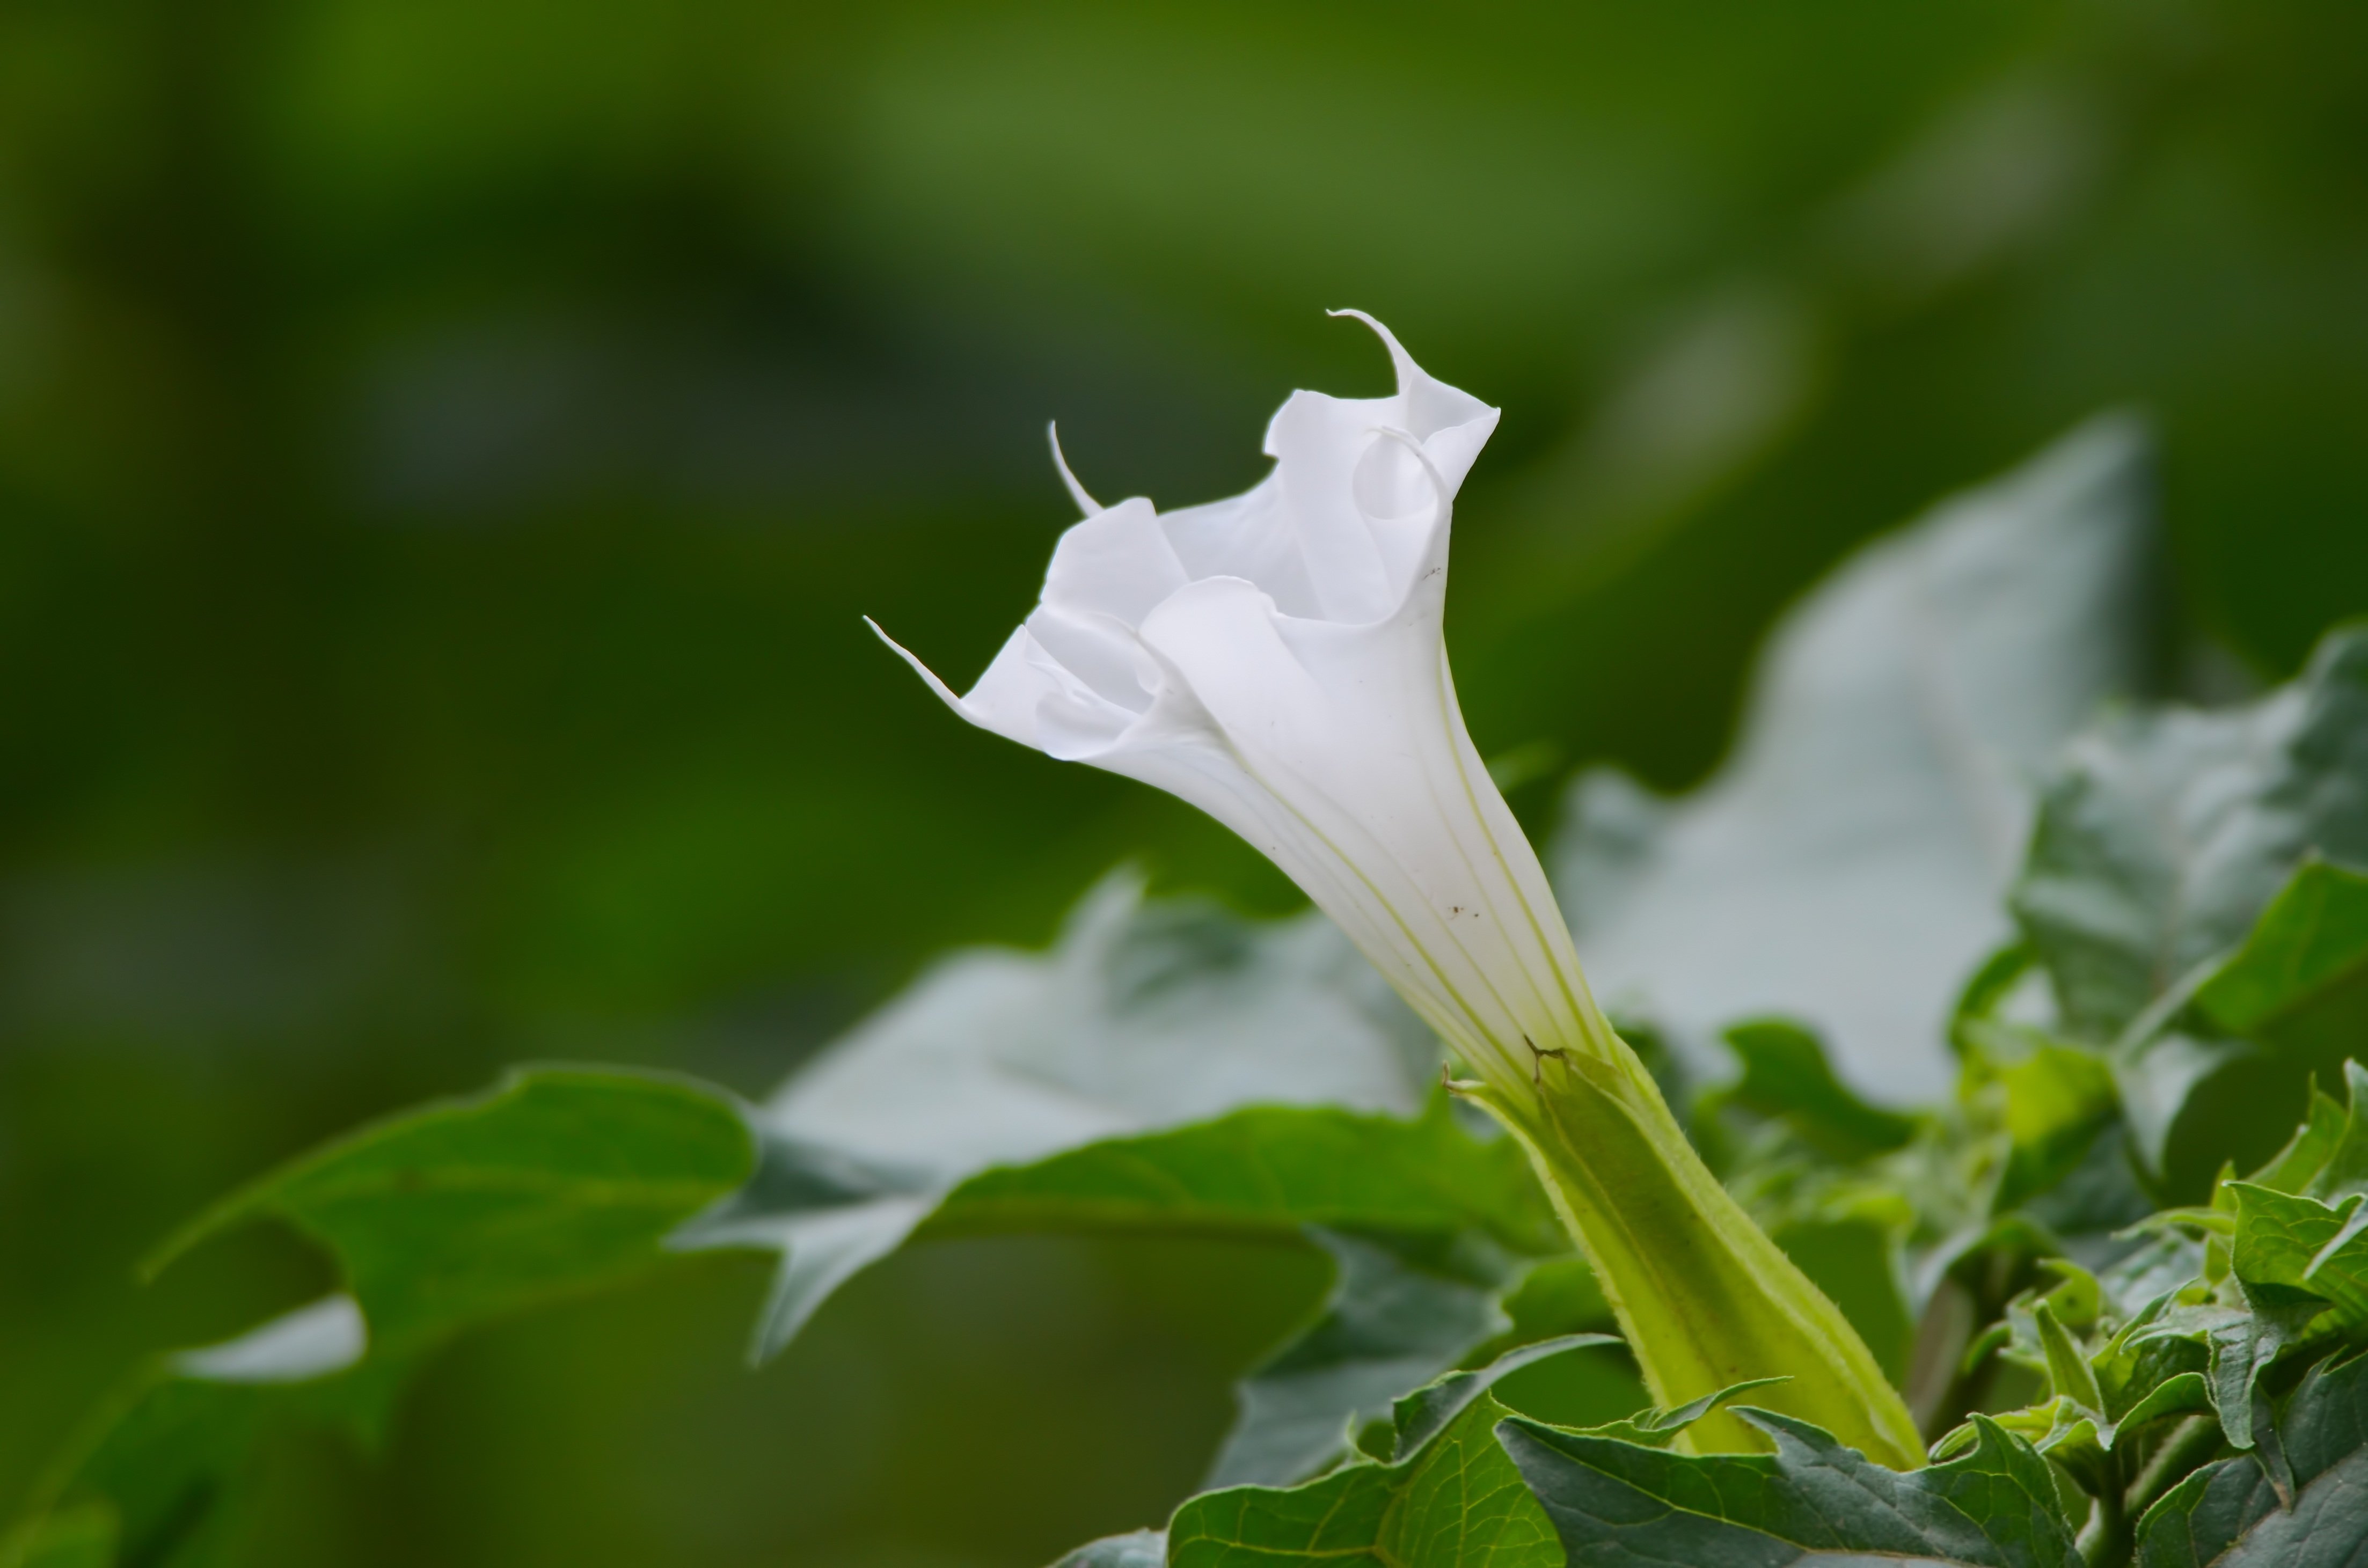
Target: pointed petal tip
pixel 944 691
pixel 1077 492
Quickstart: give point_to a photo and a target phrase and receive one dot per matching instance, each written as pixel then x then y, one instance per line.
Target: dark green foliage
pixel 2235 1513
pixel 1617 1503
pixel 1394 1320
pixel 1171 1069
pixel 1786 1078
pixel 1449 1498
pixel 2165 836
pixel 558 1182
pixel 561 1180
pixel 1270 1169
pixel 445 446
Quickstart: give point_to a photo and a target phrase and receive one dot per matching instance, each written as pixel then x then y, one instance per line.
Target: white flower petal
pixel 1086 504
pixel 1116 562
pixel 1276 660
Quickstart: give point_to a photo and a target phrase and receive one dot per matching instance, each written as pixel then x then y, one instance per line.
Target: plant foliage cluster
pixel 2120 1268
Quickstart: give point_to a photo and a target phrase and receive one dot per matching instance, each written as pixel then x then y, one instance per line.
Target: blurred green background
pixel 446 448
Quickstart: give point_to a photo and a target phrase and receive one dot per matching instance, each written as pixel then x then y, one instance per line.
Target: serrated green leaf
pixel 1658 1429
pixel 2242 1341
pixel 1878 772
pixel 2230 1513
pixel 1454 1500
pixel 1614 1503
pixel 1398 1316
pixel 2298 1243
pixel 1422 1414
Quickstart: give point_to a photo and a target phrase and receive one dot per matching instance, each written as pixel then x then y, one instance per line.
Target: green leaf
pixel 2068 1372
pixel 560 1180
pixel 1659 1427
pixel 2221 1062
pixel 2242 1341
pixel 2057 1097
pixel 2325 1126
pixel 1450 1500
pixel 2191 1103
pixel 1395 1319
pixel 2230 1513
pixel 2309 949
pixel 1139 1549
pixel 1615 1503
pixel 157 1474
pixel 1143 1017
pixel 2164 836
pixel 1420 1415
pixel 1844 867
pixel 1269 1170
pixel 2301 1245
pixel 557 1182
pixel 1786 1078
pixel 2345 1169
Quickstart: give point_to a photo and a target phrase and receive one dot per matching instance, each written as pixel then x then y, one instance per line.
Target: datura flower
pixel 1277 659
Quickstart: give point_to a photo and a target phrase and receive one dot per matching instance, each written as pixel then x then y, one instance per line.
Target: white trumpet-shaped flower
pixel 1277 660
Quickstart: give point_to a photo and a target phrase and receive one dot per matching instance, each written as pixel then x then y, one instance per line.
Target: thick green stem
pixel 1705 1298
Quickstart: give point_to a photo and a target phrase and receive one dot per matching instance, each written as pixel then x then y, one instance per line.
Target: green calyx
pixel 1704 1298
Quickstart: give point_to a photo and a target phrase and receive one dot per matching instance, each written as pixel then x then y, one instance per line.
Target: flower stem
pixel 1705 1298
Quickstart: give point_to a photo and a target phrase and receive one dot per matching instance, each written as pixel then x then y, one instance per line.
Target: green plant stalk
pixel 1704 1298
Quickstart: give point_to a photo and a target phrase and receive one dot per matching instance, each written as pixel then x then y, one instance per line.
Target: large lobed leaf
pixel 1844 867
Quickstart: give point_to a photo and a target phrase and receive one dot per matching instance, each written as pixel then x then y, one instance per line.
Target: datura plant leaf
pixel 1403 1308
pixel 1845 867
pixel 1448 1495
pixel 2287 1005
pixel 1811 1501
pixel 1394 1320
pixel 557 1182
pixel 2307 1510
pixel 1278 661
pixel 1007 1090
pixel 2166 834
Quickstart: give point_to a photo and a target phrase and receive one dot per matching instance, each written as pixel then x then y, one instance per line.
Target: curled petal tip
pixel 1086 503
pixel 1400 360
pixel 940 688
